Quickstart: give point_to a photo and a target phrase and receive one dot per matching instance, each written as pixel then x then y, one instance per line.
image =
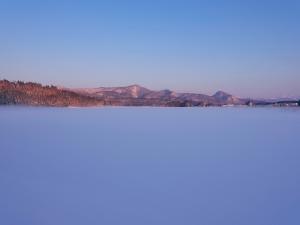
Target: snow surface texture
pixel 140 166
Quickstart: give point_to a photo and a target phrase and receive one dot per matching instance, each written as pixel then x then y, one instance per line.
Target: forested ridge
pixel 29 93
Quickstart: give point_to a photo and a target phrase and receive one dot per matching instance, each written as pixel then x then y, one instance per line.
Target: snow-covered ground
pixel 140 166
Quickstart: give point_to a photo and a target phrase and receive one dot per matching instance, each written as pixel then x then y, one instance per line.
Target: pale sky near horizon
pixel 248 48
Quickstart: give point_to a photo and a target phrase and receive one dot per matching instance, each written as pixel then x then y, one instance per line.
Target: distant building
pixel 250 103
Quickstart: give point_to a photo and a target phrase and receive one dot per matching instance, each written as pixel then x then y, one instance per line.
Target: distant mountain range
pixel 134 95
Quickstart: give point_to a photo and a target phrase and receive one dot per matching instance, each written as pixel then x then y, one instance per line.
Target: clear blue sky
pixel 248 48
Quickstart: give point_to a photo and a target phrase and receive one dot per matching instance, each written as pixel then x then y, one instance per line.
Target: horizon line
pixel 142 86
